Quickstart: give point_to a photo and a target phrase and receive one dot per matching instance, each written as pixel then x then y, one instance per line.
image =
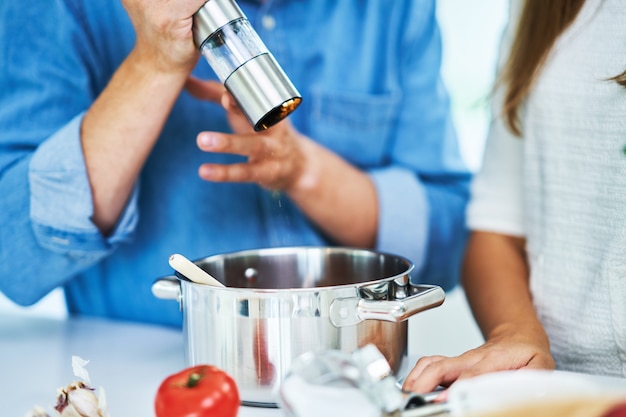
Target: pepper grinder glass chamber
pixel 243 63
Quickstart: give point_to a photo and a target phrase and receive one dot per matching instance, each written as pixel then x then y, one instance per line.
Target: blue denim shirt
pixel 369 76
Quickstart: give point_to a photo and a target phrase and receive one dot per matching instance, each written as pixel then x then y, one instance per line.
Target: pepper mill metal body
pixel 243 63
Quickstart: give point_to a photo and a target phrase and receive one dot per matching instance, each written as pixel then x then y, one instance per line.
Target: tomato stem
pixel 194 378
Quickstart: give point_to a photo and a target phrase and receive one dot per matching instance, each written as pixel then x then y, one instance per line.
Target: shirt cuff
pixel 403 215
pixel 61 204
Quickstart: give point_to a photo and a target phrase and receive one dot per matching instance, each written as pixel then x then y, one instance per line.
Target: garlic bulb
pixel 77 399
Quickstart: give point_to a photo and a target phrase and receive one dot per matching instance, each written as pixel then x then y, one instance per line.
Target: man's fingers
pixel 265 174
pixel 253 145
pixel 205 89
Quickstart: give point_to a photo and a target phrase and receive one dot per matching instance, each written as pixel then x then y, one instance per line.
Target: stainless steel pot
pixel 282 302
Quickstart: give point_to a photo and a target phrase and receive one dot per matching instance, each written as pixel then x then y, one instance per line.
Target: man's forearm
pixel 120 130
pixel 346 211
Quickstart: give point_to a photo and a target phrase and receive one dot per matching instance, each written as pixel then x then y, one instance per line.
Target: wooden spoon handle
pixel 192 271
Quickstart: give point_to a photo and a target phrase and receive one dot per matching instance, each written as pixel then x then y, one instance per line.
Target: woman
pixel 545 267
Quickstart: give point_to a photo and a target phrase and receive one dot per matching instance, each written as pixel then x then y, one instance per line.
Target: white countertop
pixel 129 360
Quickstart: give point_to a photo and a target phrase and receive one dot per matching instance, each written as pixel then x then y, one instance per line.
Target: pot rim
pixel 410 266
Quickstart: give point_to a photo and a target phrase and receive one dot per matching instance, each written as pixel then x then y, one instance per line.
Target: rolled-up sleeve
pixel 403 206
pixel 61 204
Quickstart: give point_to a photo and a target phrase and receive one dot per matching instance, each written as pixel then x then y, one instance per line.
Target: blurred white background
pixel 471 32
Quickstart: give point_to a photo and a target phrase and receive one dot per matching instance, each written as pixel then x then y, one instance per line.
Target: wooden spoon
pixel 192 271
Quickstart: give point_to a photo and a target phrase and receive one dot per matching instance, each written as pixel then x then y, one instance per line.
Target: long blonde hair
pixel 541 23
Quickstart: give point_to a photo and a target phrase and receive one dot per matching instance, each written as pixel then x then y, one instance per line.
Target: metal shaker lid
pixel 213 15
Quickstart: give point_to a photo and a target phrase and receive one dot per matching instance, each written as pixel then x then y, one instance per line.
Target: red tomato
pixel 198 391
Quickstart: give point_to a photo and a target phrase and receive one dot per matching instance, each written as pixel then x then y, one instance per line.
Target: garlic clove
pixel 70 411
pixel 84 402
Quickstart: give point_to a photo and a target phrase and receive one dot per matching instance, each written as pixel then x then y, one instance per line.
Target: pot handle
pixel 167 288
pixel 353 310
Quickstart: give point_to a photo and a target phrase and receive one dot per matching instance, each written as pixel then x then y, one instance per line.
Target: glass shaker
pixel 243 63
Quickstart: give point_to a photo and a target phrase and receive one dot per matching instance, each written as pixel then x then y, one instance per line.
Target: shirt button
pixel 269 23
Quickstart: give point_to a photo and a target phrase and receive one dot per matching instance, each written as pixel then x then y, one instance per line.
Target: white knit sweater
pixel 563 187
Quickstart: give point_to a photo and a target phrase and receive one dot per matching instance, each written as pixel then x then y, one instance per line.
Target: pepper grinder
pixel 243 63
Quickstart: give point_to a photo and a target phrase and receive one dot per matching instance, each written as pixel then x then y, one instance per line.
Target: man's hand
pixel 276 159
pixel 164 35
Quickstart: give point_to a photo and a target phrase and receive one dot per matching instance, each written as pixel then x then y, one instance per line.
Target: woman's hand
pixel 275 157
pixel 509 351
pixel 164 33
pixel 495 280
